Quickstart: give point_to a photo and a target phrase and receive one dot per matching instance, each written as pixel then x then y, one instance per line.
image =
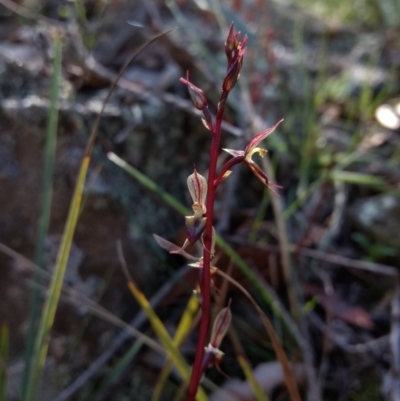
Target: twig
pixel 334 259
pixel 344 261
pixel 377 345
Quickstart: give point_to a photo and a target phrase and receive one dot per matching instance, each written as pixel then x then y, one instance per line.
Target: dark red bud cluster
pixel 234 50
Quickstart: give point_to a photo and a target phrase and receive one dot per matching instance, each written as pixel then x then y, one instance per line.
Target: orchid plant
pixel 199 226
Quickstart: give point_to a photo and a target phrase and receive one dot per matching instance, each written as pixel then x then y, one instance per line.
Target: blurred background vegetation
pixel 321 259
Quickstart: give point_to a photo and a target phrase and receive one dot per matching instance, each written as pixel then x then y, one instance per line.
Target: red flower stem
pixel 197 370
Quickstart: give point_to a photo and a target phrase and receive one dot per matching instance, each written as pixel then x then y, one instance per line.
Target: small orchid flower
pixel 196 224
pixel 213 355
pixel 247 154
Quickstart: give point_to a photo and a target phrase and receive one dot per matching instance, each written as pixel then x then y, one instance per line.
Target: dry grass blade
pixel 246 367
pixel 184 327
pixel 77 299
pixel 158 326
pixel 280 353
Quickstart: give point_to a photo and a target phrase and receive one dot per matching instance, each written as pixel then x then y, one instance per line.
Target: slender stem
pixel 197 370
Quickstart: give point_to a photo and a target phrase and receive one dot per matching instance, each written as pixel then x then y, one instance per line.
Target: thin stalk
pixel 277 207
pixel 206 277
pixel 44 216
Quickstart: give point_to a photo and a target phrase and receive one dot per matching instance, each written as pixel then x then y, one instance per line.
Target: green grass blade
pixel 351 177
pixel 44 216
pixel 53 295
pixel 148 184
pixel 4 344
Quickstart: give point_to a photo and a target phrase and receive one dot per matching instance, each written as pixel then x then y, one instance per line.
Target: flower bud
pixel 196 94
pixel 235 61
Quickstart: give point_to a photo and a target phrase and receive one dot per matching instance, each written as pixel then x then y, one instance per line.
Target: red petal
pixel 259 137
